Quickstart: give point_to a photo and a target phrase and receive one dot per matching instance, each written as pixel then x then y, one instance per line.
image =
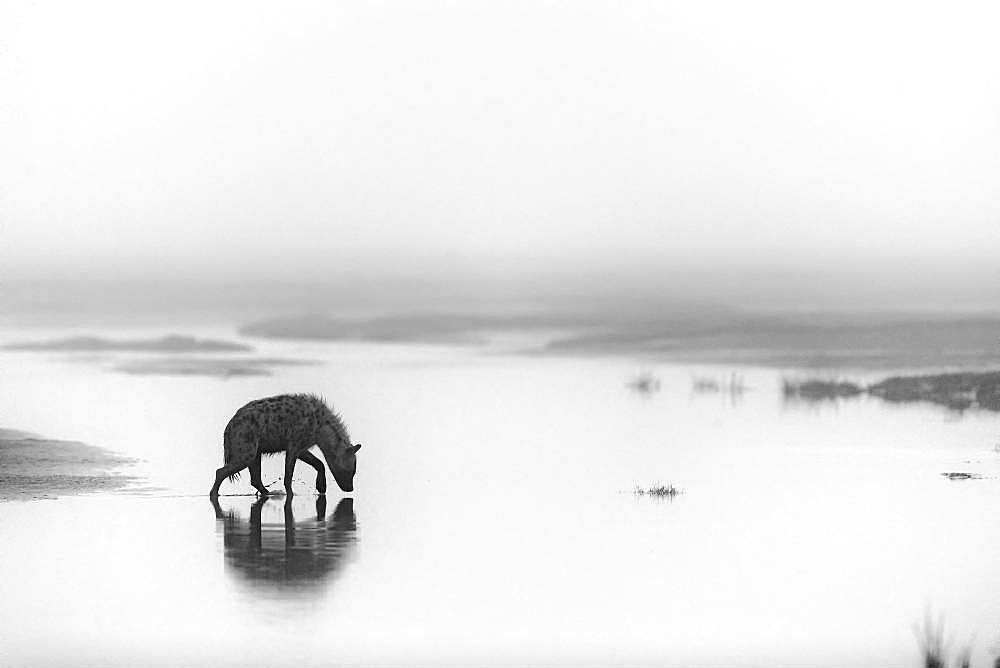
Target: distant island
pixel 803 340
pixel 793 340
pixel 170 355
pixel 440 328
pixel 171 343
pixel 227 367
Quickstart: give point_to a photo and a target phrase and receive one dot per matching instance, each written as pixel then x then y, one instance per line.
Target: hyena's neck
pixel 335 439
pixel 340 440
pixel 333 446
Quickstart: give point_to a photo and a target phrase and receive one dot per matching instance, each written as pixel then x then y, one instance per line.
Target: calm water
pixel 493 521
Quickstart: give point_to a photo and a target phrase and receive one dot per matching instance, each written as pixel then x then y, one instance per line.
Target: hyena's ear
pixel 356 448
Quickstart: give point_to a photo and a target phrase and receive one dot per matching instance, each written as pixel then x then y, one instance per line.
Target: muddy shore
pixel 40 468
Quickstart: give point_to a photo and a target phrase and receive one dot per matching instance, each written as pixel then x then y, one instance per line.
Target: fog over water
pixel 770 154
pixel 603 289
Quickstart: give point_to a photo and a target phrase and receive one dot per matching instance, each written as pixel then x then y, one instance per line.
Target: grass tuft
pixel 934 649
pixel 645 383
pixel 658 490
pixel 819 390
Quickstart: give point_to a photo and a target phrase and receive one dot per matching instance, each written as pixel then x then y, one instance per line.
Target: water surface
pixel 493 520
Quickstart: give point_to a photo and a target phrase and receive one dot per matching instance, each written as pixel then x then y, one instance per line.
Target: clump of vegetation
pixel 934 649
pixel 988 395
pixel 705 385
pixel 818 390
pixel 645 383
pixel 930 637
pixel 658 490
pixel 954 390
pixel 961 475
pixel 957 391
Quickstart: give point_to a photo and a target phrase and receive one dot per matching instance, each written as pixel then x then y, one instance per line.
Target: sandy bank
pixel 39 468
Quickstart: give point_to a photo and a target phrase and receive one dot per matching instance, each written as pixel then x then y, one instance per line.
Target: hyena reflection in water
pixel 289 423
pixel 289 557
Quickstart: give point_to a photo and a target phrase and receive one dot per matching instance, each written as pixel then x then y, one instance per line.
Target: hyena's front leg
pixel 290 458
pixel 255 476
pixel 314 461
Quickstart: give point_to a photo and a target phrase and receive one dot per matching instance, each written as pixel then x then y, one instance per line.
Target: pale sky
pixel 306 139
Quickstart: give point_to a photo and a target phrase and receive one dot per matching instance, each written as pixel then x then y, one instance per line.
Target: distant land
pixel 175 355
pixel 800 341
pixel 171 343
pixel 862 341
pixel 444 328
pixel 208 366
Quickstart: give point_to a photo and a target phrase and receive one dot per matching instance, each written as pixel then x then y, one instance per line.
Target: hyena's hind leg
pixel 226 471
pixel 315 462
pixel 239 452
pixel 219 515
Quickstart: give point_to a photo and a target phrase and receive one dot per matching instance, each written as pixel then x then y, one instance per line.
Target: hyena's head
pixel 344 466
pixel 339 454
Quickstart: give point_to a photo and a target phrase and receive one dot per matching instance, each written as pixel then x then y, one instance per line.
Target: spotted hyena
pixel 289 423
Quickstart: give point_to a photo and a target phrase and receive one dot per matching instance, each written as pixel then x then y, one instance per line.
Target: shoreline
pixel 34 468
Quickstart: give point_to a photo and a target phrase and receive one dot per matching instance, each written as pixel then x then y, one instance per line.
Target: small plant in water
pixel 657 490
pixel 961 475
pixel 934 649
pixel 931 640
pixel 704 385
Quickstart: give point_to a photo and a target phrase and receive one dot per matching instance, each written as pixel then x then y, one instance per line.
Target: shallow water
pixel 493 520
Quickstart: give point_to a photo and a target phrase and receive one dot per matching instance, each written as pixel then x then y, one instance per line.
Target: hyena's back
pixel 271 425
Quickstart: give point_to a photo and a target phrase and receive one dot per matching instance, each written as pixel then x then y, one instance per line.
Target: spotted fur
pixel 289 423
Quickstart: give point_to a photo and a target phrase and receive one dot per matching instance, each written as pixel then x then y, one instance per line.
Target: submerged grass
pixel 658 490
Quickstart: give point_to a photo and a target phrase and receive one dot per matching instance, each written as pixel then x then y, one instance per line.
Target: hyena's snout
pixel 344 482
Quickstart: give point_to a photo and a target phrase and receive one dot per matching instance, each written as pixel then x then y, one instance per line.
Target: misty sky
pixel 288 139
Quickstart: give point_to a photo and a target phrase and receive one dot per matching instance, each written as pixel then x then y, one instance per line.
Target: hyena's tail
pixel 227 457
